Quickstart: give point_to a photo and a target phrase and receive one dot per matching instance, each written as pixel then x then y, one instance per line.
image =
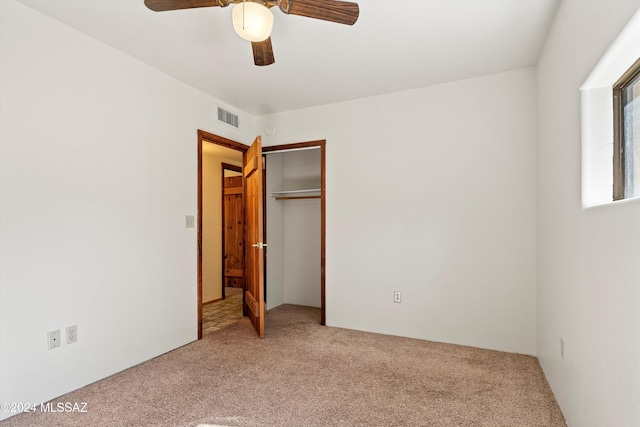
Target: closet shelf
pixel 310 193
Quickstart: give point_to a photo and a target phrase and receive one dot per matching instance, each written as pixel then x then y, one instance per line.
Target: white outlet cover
pixel 397 296
pixel 189 221
pixel 71 332
pixel 53 339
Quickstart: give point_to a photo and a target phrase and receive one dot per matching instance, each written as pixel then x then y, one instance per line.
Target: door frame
pixel 203 137
pixel 323 207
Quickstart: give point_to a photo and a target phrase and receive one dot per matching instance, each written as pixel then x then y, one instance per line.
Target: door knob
pixel 259 245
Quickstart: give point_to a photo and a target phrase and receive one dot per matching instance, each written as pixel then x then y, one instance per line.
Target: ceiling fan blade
pixel 341 12
pixel 162 5
pixel 263 52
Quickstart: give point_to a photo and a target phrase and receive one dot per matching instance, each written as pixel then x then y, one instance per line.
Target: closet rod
pixel 298 197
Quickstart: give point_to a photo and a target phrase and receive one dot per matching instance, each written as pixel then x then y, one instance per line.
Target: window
pixel 597 121
pixel 626 143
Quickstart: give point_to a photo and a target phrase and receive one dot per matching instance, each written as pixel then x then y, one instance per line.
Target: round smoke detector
pixel 270 130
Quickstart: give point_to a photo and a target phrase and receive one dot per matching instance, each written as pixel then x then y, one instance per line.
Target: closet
pixel 293 209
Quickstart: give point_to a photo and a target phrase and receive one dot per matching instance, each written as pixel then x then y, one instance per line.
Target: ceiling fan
pixel 252 19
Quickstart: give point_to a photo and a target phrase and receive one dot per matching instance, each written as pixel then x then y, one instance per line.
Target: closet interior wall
pixel 293 228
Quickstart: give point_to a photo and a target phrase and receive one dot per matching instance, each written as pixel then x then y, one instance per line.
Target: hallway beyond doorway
pixel 219 314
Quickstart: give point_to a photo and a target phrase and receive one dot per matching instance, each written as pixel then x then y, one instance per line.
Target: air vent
pixel 227 117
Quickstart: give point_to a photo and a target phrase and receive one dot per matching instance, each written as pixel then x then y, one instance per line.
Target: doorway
pixel 204 138
pixel 213 152
pixel 299 194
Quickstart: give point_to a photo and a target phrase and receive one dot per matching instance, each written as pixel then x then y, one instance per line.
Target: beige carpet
pixel 303 374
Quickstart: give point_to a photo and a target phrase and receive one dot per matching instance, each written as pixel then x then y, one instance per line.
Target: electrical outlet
pixel 562 348
pixel 72 334
pixel 53 338
pixel 397 296
pixel 189 221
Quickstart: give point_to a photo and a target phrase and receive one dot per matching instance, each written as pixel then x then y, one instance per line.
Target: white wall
pixel 431 192
pixel 588 263
pixel 211 227
pixel 302 230
pixel 275 231
pixel 98 165
pixel 302 245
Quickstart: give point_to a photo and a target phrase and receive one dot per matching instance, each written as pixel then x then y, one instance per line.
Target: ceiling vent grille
pixel 227 117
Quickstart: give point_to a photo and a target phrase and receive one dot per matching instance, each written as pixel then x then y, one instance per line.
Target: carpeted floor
pixel 303 374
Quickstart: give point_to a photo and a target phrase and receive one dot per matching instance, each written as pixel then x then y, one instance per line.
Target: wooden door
pixel 232 229
pixel 254 237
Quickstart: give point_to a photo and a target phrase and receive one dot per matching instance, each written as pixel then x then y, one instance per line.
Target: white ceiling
pixel 395 45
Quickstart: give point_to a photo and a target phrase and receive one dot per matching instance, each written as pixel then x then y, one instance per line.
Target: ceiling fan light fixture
pixel 252 21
